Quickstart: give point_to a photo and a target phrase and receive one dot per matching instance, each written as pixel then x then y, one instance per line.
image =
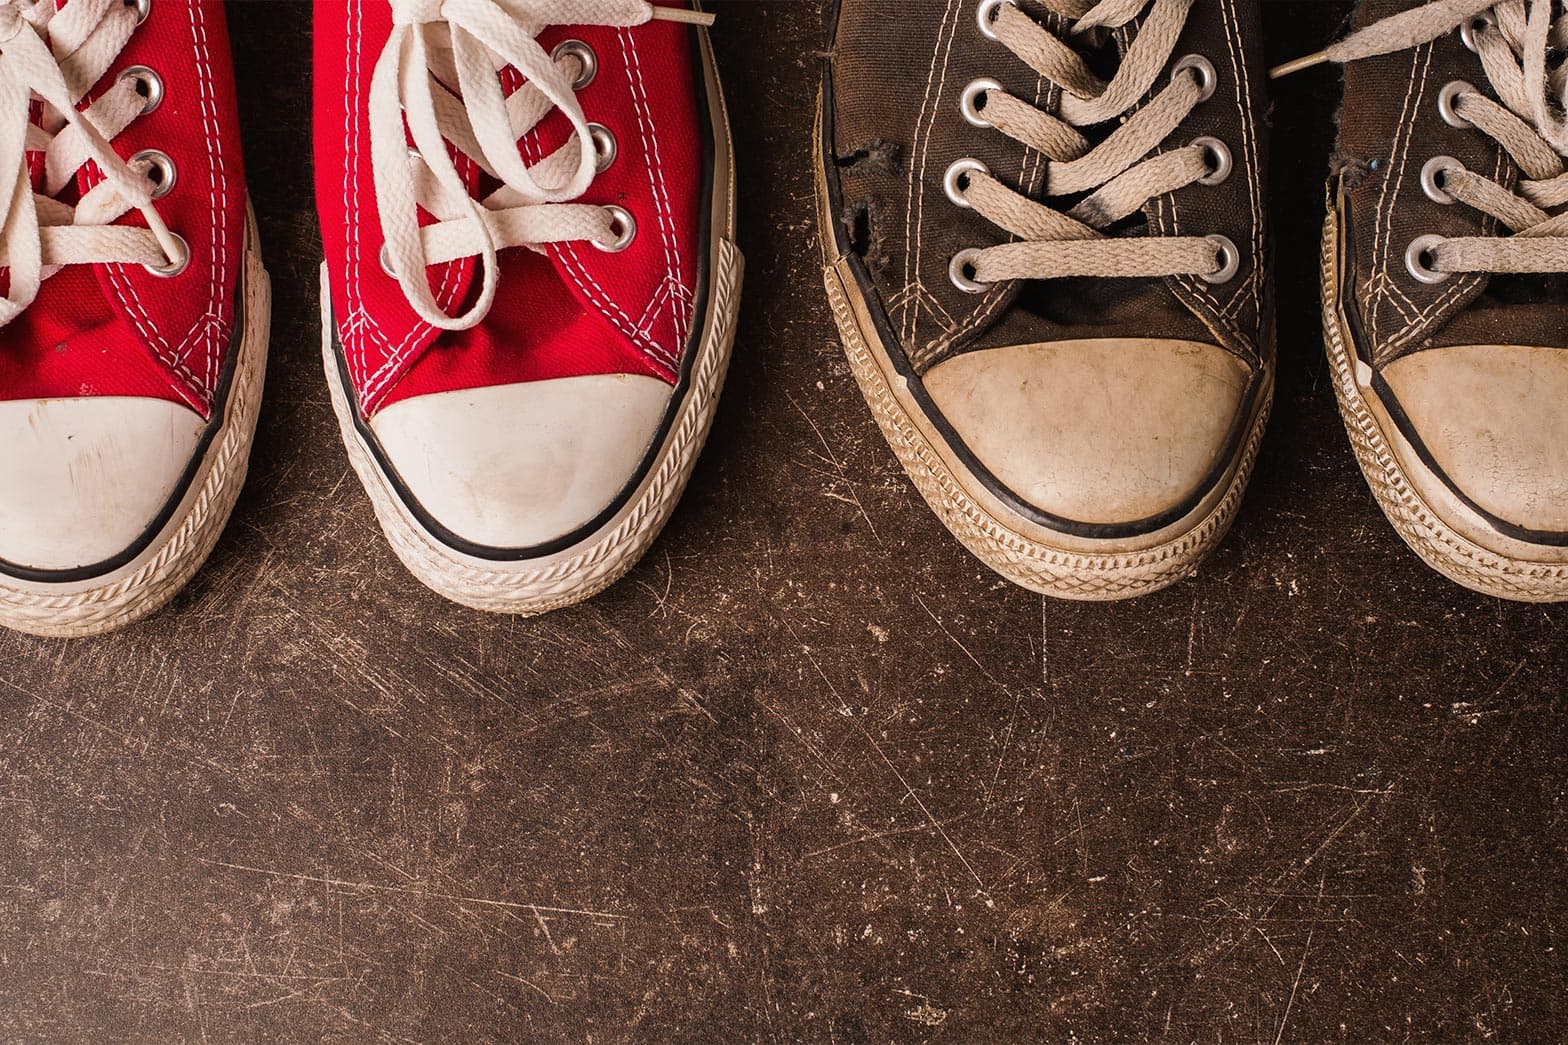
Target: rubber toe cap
pixel 523 465
pixel 1494 419
pixel 1101 432
pixel 83 480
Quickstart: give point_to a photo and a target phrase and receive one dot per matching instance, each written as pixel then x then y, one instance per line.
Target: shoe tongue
pixel 1083 308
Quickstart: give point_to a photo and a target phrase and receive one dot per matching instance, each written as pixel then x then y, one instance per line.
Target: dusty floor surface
pixel 809 773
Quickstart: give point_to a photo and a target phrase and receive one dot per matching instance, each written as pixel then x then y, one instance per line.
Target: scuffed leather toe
pixel 83 480
pixel 522 465
pixel 1494 419
pixel 1101 432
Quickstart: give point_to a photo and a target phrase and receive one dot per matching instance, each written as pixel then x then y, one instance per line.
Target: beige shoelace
pixel 1512 39
pixel 1052 243
pixel 440 71
pixel 39 234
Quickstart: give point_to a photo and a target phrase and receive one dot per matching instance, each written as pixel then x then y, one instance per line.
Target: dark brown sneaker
pixel 1445 304
pixel 1044 246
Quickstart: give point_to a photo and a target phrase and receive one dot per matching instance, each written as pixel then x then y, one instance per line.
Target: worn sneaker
pixel 1043 238
pixel 136 310
pixel 531 279
pixel 1445 305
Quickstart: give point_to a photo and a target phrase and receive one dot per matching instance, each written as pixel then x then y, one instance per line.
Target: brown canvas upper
pixel 893 126
pixel 1390 127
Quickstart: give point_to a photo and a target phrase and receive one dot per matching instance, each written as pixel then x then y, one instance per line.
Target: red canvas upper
pixel 115 329
pixel 575 310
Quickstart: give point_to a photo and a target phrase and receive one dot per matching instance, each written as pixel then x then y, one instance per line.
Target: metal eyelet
pixel 386 262
pixel 1418 259
pixel 1446 99
pixel 960 270
pixel 605 147
pixel 175 265
pixel 955 180
pixel 621 219
pixel 1432 178
pixel 585 58
pixel 143 9
pixel 1217 155
pixel 972 93
pixel 1208 79
pixel 1229 260
pixel 161 164
pixel 1474 24
pixel 148 84
pixel 985 16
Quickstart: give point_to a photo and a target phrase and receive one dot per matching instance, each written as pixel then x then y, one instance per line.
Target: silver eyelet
pixel 1431 178
pixel 1474 24
pixel 621 219
pixel 160 162
pixel 1418 258
pixel 1229 260
pixel 175 265
pixel 605 147
pixel 148 84
pixel 1217 155
pixel 143 9
pixel 959 269
pixel 1208 79
pixel 985 16
pixel 585 58
pixel 953 183
pixel 972 94
pixel 386 262
pixel 1446 99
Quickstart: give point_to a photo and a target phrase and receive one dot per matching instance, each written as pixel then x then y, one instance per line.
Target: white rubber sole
pixel 537 585
pixel 149 581
pixel 1015 547
pixel 1447 538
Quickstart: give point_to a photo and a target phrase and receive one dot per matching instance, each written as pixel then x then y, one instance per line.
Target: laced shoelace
pixel 441 75
pixel 56 57
pixel 1118 174
pixel 1515 41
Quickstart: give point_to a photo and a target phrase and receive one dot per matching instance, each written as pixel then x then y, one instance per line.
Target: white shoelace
pixel 440 72
pixel 1118 174
pixel 39 233
pixel 1513 39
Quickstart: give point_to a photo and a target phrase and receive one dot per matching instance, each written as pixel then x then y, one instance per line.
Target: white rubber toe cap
pixel 517 466
pixel 1104 431
pixel 1495 420
pixel 82 480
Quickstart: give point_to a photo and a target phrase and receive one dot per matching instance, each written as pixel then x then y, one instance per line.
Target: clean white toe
pixel 517 466
pixel 81 480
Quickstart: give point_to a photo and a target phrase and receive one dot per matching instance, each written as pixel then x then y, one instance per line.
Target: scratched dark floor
pixel 809 774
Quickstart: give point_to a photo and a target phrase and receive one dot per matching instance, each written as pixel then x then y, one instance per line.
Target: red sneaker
pixel 133 330
pixel 531 279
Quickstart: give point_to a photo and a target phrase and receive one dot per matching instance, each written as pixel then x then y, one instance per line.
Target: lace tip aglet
pixel 683 15
pixel 1304 62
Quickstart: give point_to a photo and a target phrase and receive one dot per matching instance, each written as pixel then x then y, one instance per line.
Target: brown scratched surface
pixel 809 773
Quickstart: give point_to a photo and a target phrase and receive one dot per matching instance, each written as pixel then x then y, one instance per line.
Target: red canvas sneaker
pixel 133 327
pixel 531 279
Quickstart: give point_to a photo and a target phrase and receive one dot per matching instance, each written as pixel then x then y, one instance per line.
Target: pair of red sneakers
pixel 528 298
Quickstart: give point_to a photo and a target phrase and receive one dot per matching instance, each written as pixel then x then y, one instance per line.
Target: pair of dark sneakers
pixel 1044 227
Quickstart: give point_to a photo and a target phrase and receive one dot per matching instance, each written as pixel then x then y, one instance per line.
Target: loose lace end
pixel 1295 66
pixel 678 14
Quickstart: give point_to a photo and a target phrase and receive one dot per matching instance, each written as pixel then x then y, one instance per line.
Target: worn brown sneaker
pixel 1043 239
pixel 1445 304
